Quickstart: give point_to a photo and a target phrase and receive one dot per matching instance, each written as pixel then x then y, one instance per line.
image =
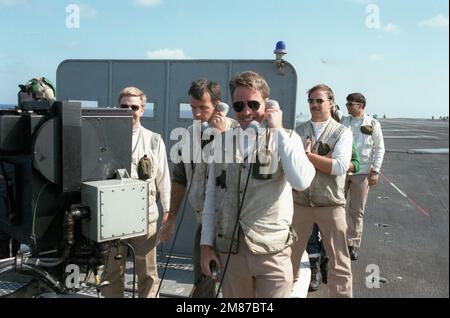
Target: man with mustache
pixel 323 202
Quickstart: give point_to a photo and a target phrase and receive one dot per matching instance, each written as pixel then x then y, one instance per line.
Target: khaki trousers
pixel 333 228
pixel 257 275
pixel 146 266
pixel 357 190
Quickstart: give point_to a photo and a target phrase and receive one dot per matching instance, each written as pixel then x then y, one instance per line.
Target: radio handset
pixel 261 168
pixel 221 107
pixel 271 104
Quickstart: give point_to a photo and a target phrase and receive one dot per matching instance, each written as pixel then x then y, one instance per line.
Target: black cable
pixel 241 204
pixel 51 281
pixel 10 264
pixel 134 266
pixel 176 234
pixel 240 210
pixel 105 270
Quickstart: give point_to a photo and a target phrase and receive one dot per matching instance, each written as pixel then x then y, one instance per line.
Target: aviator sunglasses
pixel 135 108
pixel 252 104
pixel 317 100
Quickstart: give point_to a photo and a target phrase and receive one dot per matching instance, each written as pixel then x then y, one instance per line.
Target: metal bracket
pixel 122 174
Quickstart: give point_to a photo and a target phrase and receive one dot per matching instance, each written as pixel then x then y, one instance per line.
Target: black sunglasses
pixel 135 108
pixel 239 106
pixel 317 100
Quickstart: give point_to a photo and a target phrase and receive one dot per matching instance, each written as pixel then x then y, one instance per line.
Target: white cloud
pixel 390 28
pixel 170 54
pixel 87 11
pixel 374 57
pixel 147 3
pixel 439 21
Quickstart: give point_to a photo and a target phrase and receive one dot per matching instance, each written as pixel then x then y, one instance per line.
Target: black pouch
pixel 221 181
pixel 368 130
pixel 323 149
pixel 144 168
pixel 256 170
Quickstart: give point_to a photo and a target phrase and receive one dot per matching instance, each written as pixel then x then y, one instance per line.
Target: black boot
pixel 353 251
pixel 316 276
pixel 324 269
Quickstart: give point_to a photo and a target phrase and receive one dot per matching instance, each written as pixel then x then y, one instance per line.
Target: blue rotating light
pixel 280 52
pixel 280 48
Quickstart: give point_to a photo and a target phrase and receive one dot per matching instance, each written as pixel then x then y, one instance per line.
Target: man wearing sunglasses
pixel 323 203
pixel 204 97
pixel 148 163
pixel 247 215
pixel 370 146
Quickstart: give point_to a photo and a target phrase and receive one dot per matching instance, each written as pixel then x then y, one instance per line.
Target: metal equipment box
pixel 118 209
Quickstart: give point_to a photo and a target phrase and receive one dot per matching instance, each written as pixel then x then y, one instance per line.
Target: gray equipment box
pixel 119 209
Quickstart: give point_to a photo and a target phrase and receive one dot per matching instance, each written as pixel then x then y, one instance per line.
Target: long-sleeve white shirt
pixel 162 175
pixel 370 147
pixel 162 178
pixel 342 152
pixel 298 170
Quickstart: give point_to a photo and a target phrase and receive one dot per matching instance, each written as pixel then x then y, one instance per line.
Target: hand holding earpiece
pixel 272 114
pixel 218 121
pixel 274 118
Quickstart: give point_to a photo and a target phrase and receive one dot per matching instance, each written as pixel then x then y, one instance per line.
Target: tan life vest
pixel 267 208
pixel 146 151
pixel 197 176
pixel 325 189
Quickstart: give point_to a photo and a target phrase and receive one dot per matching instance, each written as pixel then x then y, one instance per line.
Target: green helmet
pixel 41 88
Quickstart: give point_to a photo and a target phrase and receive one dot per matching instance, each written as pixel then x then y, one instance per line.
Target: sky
pixel 395 52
